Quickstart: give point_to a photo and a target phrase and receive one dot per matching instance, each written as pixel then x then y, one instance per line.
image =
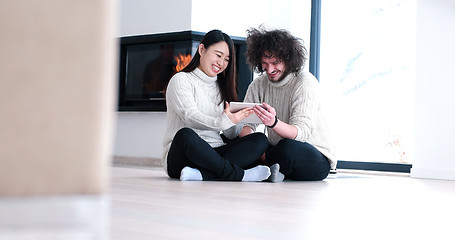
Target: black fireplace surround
pixel 147 62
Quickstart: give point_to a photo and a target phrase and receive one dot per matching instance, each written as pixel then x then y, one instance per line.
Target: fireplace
pixel 147 62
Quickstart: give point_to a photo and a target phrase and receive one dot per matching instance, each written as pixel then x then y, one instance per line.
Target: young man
pixel 300 147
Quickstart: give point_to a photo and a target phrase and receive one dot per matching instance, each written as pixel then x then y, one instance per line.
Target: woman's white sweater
pixel 297 102
pixel 193 100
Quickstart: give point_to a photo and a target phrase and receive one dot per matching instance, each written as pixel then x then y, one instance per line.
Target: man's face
pixel 274 67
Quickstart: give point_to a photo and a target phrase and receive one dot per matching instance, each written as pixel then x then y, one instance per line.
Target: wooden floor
pixel 146 204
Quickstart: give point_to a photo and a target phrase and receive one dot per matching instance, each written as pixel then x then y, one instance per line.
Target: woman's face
pixel 214 59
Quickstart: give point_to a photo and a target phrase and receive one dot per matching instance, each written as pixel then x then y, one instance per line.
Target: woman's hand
pixel 237 116
pixel 266 113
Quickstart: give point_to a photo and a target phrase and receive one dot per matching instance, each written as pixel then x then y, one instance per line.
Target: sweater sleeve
pixel 252 96
pixel 180 97
pixel 304 110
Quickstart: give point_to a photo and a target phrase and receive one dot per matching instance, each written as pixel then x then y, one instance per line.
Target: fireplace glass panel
pixel 149 68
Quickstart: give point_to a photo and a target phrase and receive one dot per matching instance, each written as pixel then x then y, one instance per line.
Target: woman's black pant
pixel 298 160
pixel 222 163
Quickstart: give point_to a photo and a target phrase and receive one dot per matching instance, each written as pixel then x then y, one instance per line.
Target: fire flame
pixel 182 61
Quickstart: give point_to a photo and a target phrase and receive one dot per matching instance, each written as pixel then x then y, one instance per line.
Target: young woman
pixel 198 111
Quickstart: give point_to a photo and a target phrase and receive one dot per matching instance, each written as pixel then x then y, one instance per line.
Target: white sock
pixel 275 175
pixel 256 174
pixel 190 174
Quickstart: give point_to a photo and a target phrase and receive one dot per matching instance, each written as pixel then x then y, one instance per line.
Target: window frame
pixel 315 41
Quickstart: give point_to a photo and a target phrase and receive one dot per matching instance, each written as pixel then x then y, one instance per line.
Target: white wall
pixel 138 17
pixel 435 84
pixel 239 15
pixel 140 134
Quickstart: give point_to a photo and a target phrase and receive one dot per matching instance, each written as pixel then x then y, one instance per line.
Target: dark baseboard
pixel 375 166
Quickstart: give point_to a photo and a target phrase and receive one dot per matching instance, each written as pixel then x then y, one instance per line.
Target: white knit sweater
pixel 296 100
pixel 193 101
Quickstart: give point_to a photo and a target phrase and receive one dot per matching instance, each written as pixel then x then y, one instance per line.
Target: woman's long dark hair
pixel 227 80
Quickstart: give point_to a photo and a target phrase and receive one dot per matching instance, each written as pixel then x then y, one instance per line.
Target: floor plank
pixel 146 204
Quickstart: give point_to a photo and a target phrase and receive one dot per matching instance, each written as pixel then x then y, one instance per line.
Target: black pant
pixel 223 163
pixel 298 160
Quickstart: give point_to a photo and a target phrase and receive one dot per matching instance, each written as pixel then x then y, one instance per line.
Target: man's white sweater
pixel 297 102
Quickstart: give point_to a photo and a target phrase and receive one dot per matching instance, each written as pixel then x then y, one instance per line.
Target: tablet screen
pixel 237 106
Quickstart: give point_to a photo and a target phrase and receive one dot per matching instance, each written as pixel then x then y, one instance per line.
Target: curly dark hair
pixel 280 44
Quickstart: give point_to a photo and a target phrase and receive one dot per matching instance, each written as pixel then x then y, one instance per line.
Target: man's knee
pixel 261 140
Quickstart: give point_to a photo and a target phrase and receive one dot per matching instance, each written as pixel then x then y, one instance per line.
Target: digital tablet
pixel 237 106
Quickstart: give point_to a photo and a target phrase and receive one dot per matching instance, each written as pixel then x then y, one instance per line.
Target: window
pixel 367 69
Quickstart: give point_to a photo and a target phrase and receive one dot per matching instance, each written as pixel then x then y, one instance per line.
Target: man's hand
pixel 266 113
